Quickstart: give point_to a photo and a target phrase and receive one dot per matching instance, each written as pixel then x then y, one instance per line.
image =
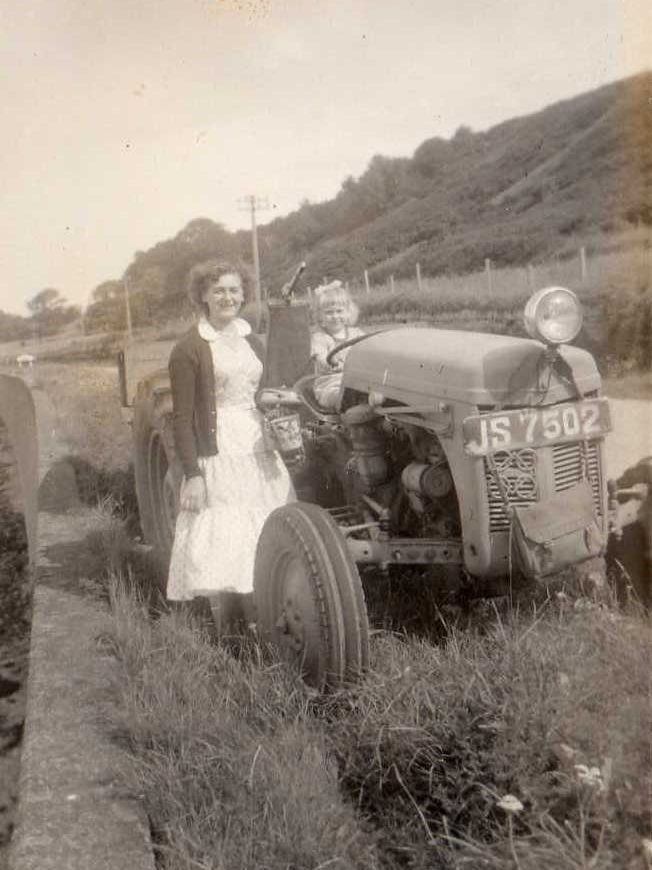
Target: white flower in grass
pixel 583 604
pixel 510 804
pixel 646 845
pixel 589 776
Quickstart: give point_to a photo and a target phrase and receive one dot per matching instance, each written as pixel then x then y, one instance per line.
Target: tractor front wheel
pixel 309 599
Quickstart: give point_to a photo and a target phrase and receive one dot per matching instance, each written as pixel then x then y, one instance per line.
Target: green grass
pixel 434 737
pixel 233 769
pixel 616 297
pixel 241 766
pixel 86 399
pixel 616 264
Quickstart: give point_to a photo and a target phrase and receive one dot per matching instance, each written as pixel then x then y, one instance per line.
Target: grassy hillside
pixel 523 191
pixel 514 193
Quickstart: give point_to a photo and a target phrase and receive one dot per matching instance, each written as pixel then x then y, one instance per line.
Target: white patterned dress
pixel 214 549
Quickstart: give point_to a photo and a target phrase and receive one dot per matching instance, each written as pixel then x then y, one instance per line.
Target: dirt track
pixel 631 438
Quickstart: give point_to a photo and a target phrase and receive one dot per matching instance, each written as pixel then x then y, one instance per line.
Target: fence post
pixel 583 264
pixel 419 277
pixel 391 283
pixel 366 280
pixel 487 268
pixel 530 275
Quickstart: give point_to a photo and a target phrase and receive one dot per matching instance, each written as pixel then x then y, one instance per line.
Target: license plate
pixel 536 427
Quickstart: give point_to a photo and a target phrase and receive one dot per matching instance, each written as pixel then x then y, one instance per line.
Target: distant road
pixel 631 439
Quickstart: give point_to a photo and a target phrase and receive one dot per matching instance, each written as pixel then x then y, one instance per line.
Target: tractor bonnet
pixel 471 367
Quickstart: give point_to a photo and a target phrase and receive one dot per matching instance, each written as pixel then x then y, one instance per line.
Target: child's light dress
pixel 214 549
pixel 327 387
pixel 322 343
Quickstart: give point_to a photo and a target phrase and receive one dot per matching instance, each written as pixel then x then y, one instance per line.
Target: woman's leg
pixel 232 612
pixel 198 611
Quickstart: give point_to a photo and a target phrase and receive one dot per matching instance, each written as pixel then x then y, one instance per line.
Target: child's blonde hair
pixel 335 291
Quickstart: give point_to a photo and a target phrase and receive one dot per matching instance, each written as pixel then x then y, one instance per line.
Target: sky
pixel 122 120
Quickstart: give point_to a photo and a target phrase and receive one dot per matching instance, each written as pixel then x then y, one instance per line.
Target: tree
pixel 45 301
pixel 50 313
pixel 108 291
pixel 13 326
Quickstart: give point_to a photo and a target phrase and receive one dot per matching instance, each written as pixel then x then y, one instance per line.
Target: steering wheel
pixel 351 341
pixel 348 343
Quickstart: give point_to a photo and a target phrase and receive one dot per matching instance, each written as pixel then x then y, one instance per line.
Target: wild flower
pixel 646 845
pixel 510 804
pixel 591 777
pixel 583 604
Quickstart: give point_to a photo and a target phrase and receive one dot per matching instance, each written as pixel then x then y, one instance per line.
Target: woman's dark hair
pixel 204 274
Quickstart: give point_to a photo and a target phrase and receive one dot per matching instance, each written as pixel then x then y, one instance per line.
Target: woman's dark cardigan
pixel 193 398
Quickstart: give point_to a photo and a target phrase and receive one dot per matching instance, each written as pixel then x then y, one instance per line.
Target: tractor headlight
pixel 553 315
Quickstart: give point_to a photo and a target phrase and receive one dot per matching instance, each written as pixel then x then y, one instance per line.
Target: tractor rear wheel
pixel 158 474
pixel 309 599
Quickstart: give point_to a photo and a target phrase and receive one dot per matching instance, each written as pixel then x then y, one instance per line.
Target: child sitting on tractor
pixel 336 314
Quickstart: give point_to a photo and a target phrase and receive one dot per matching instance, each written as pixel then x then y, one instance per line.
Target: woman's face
pixel 224 297
pixel 333 316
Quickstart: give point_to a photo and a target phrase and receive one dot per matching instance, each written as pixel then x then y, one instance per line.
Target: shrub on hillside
pixel 628 319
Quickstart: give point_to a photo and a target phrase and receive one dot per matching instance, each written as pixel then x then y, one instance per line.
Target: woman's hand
pixel 193 494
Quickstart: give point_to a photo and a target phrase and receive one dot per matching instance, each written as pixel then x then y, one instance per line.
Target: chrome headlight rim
pixel 535 309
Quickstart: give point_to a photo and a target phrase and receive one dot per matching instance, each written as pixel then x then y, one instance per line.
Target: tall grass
pixel 509 289
pixel 89 422
pixel 242 766
pixel 434 738
pixel 233 770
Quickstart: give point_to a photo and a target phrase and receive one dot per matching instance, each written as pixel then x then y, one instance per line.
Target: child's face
pixel 333 316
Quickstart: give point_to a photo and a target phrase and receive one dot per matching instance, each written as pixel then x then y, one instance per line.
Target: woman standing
pixel 232 479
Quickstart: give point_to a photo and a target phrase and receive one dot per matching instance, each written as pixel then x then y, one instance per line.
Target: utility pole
pixel 127 282
pixel 253 204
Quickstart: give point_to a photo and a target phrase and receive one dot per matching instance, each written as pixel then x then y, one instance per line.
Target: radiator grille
pixel 567 468
pixel 519 472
